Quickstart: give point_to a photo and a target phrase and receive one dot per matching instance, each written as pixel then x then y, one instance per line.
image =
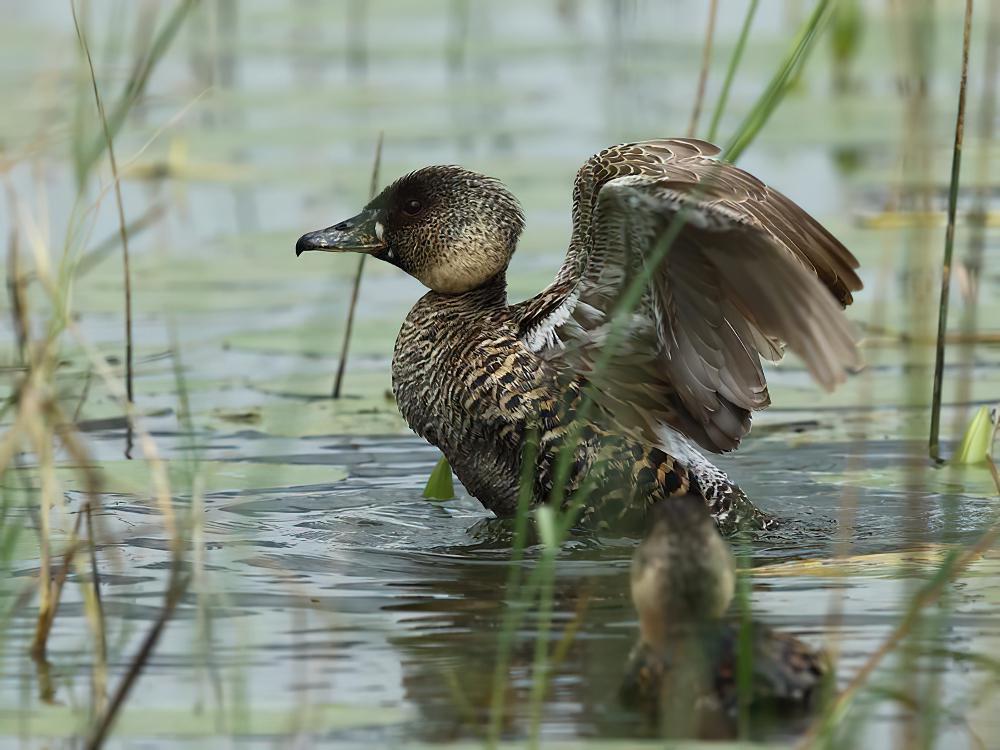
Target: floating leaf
pixel 975 445
pixel 439 485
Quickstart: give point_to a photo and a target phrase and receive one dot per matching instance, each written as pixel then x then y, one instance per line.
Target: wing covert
pixel 748 272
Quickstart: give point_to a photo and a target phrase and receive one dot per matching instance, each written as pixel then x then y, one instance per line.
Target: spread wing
pixel 728 272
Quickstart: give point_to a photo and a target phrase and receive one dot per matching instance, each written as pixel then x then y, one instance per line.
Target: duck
pixel 683 670
pixel 683 274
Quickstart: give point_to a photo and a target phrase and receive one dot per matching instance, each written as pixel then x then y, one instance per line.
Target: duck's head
pixel 449 228
pixel 682 572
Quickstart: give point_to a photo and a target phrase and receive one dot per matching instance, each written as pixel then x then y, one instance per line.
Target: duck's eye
pixel 412 207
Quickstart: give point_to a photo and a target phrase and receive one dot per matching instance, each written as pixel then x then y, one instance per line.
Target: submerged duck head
pixel 682 572
pixel 450 228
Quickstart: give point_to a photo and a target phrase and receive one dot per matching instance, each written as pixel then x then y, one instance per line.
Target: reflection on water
pixel 361 593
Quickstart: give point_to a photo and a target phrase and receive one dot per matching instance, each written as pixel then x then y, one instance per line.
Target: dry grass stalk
pixel 123 233
pixel 40 420
pixel 175 591
pixel 706 59
pixel 69 438
pixel 49 590
pixel 356 287
pixel 42 423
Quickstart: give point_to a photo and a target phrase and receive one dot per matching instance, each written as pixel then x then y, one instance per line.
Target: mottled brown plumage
pixel 746 272
pixel 686 659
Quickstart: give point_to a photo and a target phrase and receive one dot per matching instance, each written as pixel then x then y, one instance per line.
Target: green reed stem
pixel 949 241
pixel 781 82
pixel 513 613
pixel 540 667
pixel 134 87
pixel 734 64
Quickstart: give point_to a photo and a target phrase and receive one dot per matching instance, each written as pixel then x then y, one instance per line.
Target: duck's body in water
pixel 684 671
pixel 724 271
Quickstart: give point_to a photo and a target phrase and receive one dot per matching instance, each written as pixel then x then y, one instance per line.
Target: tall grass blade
pixel 949 241
pixel 515 573
pixel 93 604
pixel 123 233
pixel 356 287
pixel 541 665
pixel 142 71
pixel 629 297
pixel 780 84
pixel 734 64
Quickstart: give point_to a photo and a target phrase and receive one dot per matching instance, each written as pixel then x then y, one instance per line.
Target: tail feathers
pixel 729 505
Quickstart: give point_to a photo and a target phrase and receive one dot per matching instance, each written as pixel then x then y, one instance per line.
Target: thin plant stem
pixel 141 72
pixel 356 287
pixel 542 666
pixel 734 64
pixel 706 59
pixel 69 438
pixel 175 592
pixel 512 615
pixel 971 266
pixel 953 566
pixel 792 65
pixel 949 241
pixel 545 572
pixel 123 232
pixel 50 588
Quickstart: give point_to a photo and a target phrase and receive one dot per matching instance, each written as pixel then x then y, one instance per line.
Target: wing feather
pixel 748 273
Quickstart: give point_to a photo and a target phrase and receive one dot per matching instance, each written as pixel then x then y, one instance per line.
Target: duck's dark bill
pixel 360 234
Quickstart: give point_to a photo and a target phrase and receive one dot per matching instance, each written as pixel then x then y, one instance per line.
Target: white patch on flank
pixel 683 449
pixel 544 334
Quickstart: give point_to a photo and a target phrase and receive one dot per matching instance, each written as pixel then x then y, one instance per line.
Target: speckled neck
pixel 484 298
